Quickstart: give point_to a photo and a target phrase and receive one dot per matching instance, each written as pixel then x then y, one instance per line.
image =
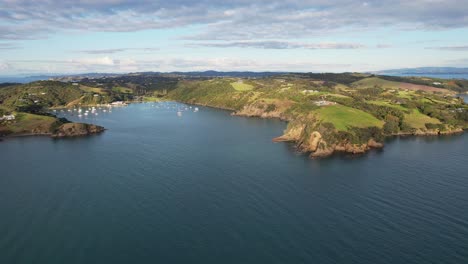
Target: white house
pixel 309 91
pixel 324 103
pixel 8 117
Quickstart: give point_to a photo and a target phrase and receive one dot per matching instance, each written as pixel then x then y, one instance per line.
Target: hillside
pixel 327 113
pixel 29 104
pixel 325 116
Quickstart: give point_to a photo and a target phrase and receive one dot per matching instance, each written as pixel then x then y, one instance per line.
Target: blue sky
pixel 73 36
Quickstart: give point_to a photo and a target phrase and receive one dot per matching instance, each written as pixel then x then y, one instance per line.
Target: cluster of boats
pixel 85 111
pixel 180 109
pixel 94 111
pixel 179 112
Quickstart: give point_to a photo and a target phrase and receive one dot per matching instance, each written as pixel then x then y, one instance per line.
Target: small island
pixel 327 113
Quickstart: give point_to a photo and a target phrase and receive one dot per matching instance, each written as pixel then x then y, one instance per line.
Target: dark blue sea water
pixel 208 187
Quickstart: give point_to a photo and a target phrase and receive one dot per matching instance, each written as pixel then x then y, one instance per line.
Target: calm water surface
pixel 208 187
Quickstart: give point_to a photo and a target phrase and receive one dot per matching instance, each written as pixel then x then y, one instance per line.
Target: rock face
pixel 264 109
pixel 432 132
pixel 315 137
pixel 311 140
pixel 76 130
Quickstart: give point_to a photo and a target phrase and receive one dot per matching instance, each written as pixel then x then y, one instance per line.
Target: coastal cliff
pixel 336 118
pixel 76 130
pixel 307 135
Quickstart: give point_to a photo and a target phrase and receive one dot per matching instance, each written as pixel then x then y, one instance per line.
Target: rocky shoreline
pixel 65 130
pixel 77 130
pixel 313 142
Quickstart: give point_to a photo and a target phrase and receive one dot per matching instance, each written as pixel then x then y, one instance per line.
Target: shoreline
pixel 313 151
pixel 337 149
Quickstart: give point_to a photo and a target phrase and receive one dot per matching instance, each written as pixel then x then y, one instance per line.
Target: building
pixel 324 103
pixel 8 117
pixel 309 91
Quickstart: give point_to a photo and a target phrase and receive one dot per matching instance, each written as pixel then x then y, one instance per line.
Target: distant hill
pixel 94 75
pixel 228 74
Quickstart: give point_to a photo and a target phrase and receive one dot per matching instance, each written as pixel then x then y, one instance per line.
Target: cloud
pixel 94 61
pixel 278 45
pixel 227 20
pixel 451 48
pixel 108 64
pixel 8 46
pixel 5 67
pixel 384 46
pixel 112 51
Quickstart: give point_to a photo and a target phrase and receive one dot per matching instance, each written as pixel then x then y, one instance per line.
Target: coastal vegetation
pixel 327 113
pixel 330 113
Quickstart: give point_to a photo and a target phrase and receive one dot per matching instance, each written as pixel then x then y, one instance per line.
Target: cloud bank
pixel 222 20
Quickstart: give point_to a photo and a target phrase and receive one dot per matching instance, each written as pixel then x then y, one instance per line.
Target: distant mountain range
pixel 404 71
pixel 26 79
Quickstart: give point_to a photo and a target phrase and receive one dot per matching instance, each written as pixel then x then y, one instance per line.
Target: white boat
pixel 196 109
pixel 179 113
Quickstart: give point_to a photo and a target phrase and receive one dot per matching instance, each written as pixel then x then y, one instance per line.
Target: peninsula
pixel 326 113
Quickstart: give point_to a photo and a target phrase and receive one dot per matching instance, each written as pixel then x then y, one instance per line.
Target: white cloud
pixel 275 44
pixel 107 61
pixel 4 67
pixel 228 20
pixel 450 48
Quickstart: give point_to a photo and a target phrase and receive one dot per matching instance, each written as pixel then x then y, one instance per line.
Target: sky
pixel 118 36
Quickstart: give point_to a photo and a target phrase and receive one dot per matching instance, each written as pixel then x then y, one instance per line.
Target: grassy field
pixel 241 86
pixel 120 89
pixel 385 103
pixel 24 123
pixel 405 94
pixel 386 84
pixel 343 117
pixel 92 89
pixel 374 81
pixel 418 120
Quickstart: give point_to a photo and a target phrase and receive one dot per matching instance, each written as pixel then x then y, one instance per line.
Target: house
pixel 436 83
pixel 324 103
pixel 75 84
pixel 309 91
pixel 8 117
